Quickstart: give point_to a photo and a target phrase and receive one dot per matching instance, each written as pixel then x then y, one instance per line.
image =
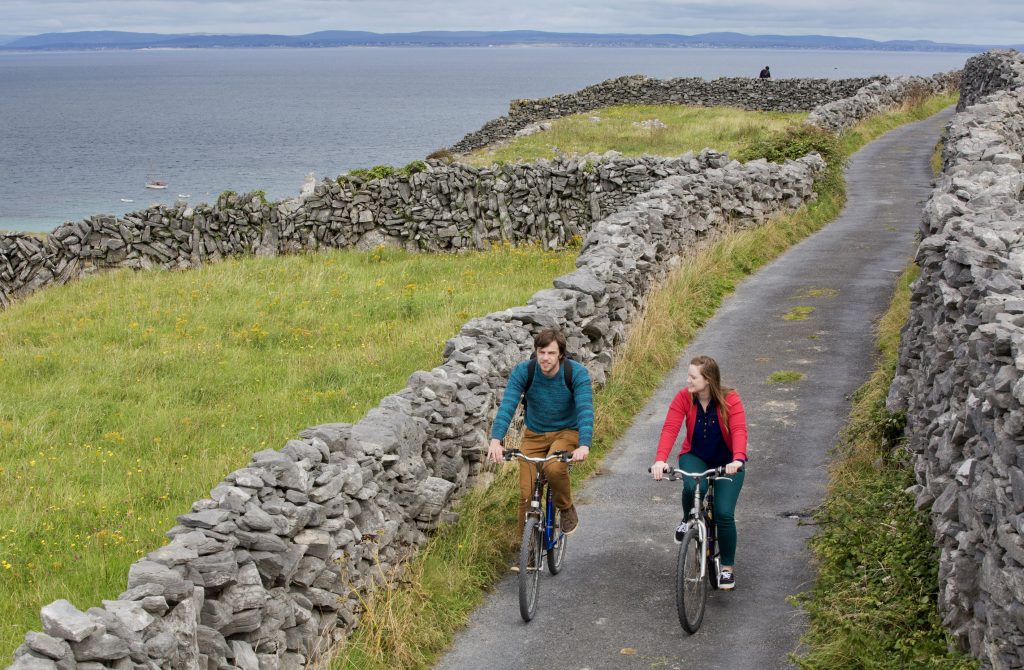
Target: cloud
pixel 982 21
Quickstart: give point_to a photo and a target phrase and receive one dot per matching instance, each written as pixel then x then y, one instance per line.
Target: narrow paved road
pixel 613 605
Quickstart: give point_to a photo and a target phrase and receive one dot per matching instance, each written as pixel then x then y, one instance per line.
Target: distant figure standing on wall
pixel 765 73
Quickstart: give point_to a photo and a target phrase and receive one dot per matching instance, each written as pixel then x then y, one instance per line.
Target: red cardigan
pixel 684 407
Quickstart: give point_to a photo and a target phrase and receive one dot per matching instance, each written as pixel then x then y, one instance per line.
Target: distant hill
pixel 335 38
pixel 4 39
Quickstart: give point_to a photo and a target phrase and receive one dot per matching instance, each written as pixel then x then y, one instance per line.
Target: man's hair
pixel 547 336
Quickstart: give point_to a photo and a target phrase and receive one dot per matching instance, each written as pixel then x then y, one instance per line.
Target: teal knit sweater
pixel 550 406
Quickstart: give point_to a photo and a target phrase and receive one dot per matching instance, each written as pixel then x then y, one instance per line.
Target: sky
pixel 987 22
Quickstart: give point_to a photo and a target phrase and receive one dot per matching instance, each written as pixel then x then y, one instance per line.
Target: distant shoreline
pixel 121 49
pixel 107 40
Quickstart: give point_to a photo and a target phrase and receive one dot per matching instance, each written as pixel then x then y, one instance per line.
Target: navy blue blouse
pixel 708 442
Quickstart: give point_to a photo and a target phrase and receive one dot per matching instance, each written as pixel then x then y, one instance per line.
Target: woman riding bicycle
pixel 716 435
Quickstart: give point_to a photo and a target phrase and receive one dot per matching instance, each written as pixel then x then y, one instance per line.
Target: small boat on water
pixel 156 183
pixel 127 200
pixel 184 195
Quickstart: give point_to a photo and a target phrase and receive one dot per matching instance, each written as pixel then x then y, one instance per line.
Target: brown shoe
pixel 569 520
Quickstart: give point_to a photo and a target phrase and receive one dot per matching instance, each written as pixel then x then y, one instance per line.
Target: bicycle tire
pixel 691 588
pixel 531 557
pixel 557 552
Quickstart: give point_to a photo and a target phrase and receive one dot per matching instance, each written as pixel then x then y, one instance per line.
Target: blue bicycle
pixel 542 534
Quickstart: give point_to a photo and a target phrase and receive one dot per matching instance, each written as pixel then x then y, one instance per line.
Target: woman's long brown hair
pixel 709 369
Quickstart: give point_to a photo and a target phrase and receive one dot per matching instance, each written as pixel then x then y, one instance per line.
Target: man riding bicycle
pixel 559 415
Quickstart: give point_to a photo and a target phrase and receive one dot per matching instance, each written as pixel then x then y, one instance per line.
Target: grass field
pixel 126 396
pixel 687 129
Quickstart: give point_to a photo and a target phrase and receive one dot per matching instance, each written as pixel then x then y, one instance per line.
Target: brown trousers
pixel 536 445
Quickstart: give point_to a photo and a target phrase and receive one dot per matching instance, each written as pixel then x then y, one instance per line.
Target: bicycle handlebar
pixel 674 474
pixel 564 456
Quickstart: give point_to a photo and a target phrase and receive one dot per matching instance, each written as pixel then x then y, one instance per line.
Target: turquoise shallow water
pixel 81 132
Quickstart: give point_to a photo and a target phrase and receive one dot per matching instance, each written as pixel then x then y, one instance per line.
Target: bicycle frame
pixel 540 488
pixel 549 521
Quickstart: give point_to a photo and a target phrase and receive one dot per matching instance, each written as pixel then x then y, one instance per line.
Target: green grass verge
pixel 410 621
pixel 687 129
pixel 873 604
pixel 126 396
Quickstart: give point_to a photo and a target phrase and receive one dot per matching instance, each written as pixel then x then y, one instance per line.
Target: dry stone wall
pixel 879 96
pixel 961 371
pixel 443 208
pixel 996 70
pixel 274 563
pixel 278 557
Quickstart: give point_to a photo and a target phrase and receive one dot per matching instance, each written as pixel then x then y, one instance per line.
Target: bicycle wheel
pixel 531 557
pixel 557 552
pixel 691 588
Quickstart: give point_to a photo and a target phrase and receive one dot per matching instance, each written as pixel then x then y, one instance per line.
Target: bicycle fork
pixel 711 550
pixel 702 537
pixel 544 518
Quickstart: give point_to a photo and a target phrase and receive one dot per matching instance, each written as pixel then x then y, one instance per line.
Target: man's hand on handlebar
pixel 658 470
pixel 495 452
pixel 580 453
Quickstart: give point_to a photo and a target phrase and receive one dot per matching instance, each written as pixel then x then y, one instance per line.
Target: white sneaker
pixel 684 525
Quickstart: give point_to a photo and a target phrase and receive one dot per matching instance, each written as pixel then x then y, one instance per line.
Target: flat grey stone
pixel 63 620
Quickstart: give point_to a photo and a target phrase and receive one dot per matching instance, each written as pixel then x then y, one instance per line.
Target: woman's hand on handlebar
pixel 658 470
pixel 733 468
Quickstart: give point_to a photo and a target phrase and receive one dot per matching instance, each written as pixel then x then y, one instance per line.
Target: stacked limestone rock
pixel 961 370
pixel 174 237
pixel 445 208
pixel 877 97
pixel 782 95
pixel 271 567
pixel 986 73
pixel 457 206
pixel 30 263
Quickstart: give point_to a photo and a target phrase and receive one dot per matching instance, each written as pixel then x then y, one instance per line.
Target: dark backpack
pixel 531 371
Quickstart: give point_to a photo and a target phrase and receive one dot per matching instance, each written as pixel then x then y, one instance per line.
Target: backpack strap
pixel 531 370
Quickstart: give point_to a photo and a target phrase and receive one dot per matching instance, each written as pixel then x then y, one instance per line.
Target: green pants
pixel 726 494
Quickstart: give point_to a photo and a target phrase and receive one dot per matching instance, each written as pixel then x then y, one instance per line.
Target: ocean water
pixel 81 132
